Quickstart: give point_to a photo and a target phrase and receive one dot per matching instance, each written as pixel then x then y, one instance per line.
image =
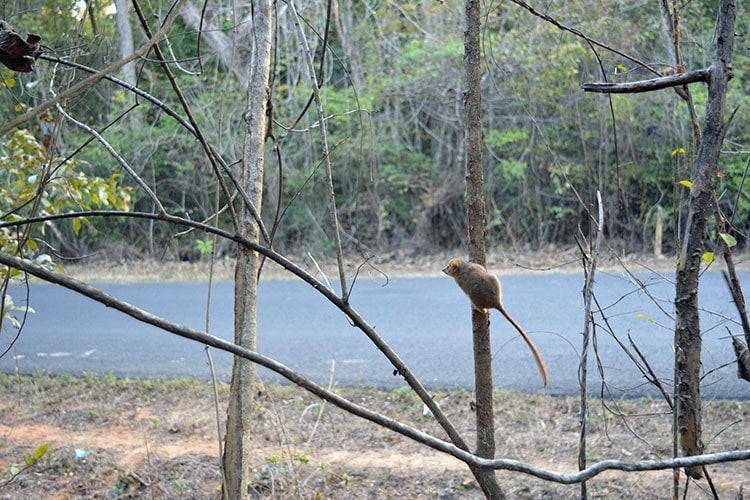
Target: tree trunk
pixel 475 209
pixel 687 327
pixel 237 449
pixel 126 39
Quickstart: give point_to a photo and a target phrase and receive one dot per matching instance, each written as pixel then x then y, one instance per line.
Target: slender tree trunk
pixel 239 416
pixel 475 208
pixel 687 327
pixel 126 39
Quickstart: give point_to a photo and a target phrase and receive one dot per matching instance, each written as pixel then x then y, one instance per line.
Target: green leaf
pixel 728 239
pixel 688 184
pixel 204 247
pixel 708 257
pixel 39 453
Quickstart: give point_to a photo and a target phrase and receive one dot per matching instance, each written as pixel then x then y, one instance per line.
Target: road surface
pixel 426 320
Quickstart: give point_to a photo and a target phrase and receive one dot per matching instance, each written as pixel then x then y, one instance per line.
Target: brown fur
pixel 485 293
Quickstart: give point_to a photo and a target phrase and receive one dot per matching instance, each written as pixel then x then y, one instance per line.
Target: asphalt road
pixel 426 320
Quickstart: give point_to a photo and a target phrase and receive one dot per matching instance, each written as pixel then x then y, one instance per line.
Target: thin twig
pixel 326 153
pixel 210 153
pixel 590 262
pixel 118 158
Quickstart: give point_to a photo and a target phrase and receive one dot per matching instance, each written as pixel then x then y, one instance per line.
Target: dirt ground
pixel 114 438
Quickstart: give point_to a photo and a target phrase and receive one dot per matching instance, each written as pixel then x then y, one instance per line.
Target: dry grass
pixel 394 264
pixel 157 439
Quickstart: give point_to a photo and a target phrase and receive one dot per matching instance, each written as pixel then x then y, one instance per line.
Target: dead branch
pixel 663 82
pixel 344 306
pixel 590 261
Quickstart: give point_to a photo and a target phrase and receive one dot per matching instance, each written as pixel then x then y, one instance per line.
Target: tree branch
pixel 210 153
pixel 117 157
pixel 590 261
pixel 699 75
pixel 184 124
pixel 554 22
pixel 343 305
pixel 333 211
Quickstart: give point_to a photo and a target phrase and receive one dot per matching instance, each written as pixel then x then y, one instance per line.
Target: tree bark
pixel 126 39
pixel 476 215
pixel 239 415
pixel 687 327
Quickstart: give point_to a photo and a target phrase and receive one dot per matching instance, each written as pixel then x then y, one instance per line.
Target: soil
pixel 124 438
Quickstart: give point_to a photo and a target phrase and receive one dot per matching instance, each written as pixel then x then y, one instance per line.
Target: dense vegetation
pixel 391 81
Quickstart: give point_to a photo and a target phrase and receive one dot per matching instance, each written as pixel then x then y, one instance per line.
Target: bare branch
pixel 551 20
pixel 210 153
pixel 184 124
pixel 326 151
pixel 590 262
pixel 356 319
pixel 699 75
pixel 183 331
pixel 604 465
pixel 118 158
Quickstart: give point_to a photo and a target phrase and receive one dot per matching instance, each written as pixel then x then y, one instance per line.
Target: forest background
pixel 392 88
